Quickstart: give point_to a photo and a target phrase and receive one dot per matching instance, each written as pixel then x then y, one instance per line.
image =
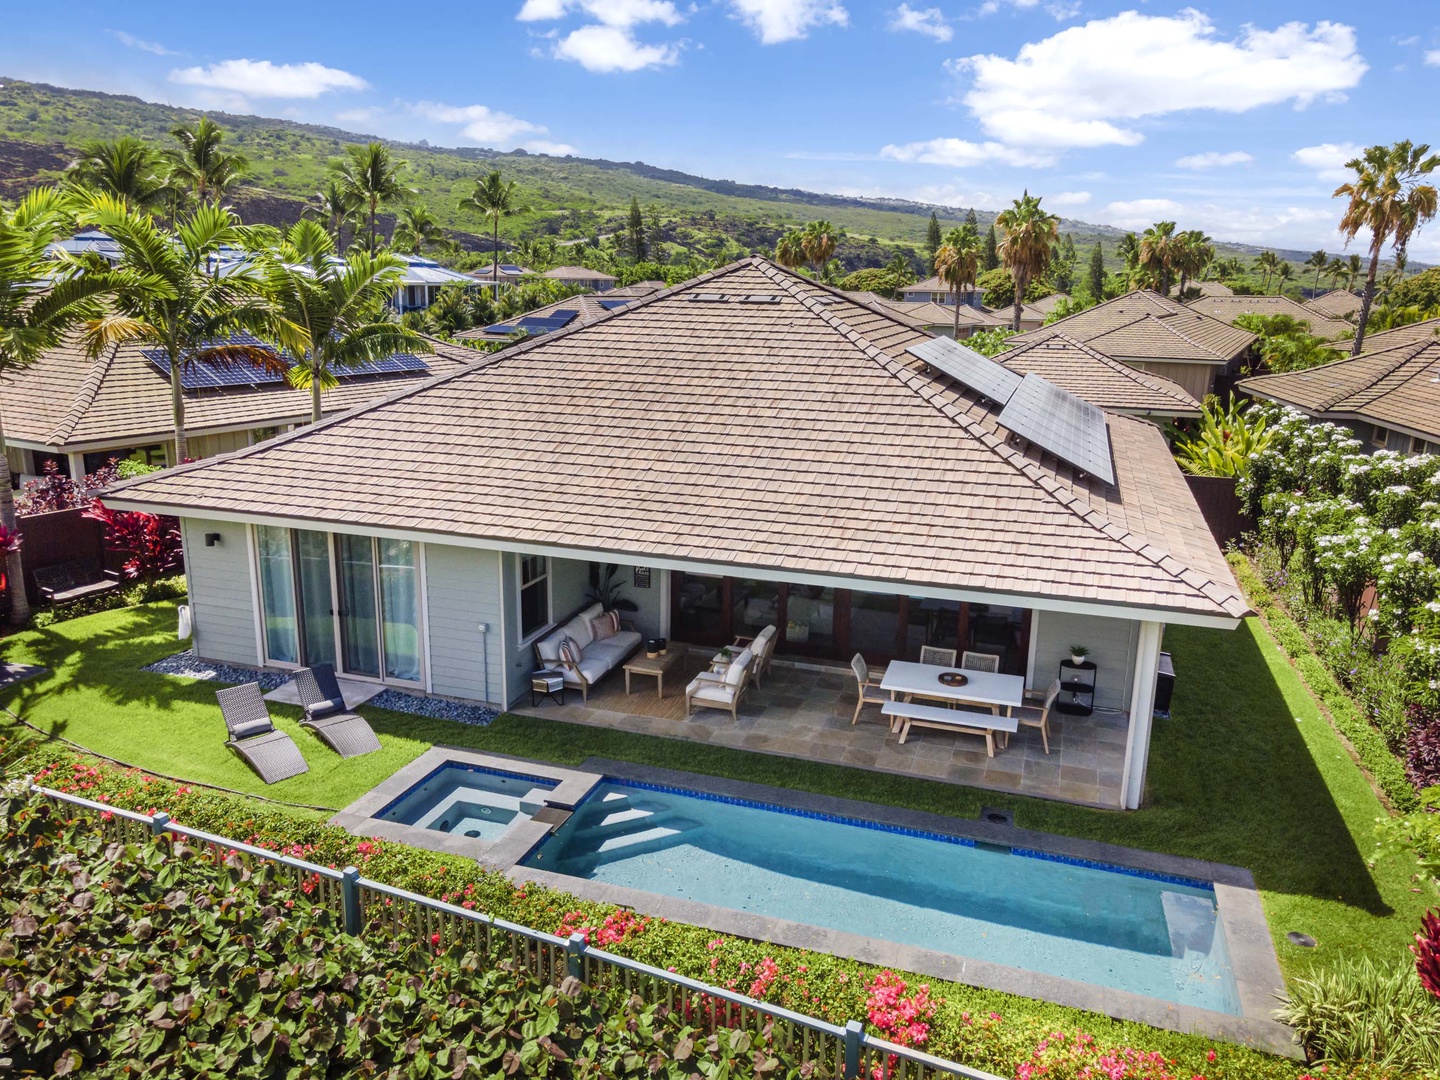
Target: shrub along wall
pixel 998 1032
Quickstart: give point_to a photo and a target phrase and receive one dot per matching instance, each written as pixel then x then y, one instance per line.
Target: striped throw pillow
pixel 569 651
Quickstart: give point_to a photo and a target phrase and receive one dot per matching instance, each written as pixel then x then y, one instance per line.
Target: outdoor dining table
pixel 981 687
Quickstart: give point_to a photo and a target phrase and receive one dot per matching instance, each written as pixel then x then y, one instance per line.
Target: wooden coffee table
pixel 654 665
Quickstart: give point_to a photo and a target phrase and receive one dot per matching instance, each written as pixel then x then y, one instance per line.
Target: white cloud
pixel 1328 159
pixel 1432 58
pixel 1215 159
pixel 130 41
pixel 545 146
pixel 963 154
pixel 612 48
pixel 774 21
pixel 362 115
pixel 621 13
pixel 485 126
pixel 1059 10
pixel 929 21
pixel 1086 86
pixel 1068 198
pixel 1138 213
pixel 1409 39
pixel 262 79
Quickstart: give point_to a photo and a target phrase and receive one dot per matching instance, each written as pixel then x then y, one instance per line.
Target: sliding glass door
pixel 277 594
pixel 317 605
pixel 359 612
pixel 400 610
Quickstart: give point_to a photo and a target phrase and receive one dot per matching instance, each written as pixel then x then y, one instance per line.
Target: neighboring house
pixel 1211 288
pixel 581 278
pixel 1425 330
pixel 1230 308
pixel 933 318
pixel 1157 334
pixel 574 310
pixel 1101 380
pixel 80 413
pixel 506 274
pixel 422 282
pixel 1335 304
pixel 1389 398
pixel 90 241
pixel 750 448
pixel 934 291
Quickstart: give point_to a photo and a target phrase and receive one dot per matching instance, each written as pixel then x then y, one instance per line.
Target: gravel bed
pixel 187 665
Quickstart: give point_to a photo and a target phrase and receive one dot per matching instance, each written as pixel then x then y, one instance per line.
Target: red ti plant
pixel 9 544
pixel 151 542
pixel 1427 952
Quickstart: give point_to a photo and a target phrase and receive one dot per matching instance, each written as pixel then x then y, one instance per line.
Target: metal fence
pixel 360 904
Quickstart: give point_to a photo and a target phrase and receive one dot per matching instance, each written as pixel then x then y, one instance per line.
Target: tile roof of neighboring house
pixel 64 399
pixel 793 434
pixel 1100 379
pixel 930 284
pixel 1230 308
pixel 1144 325
pixel 1337 303
pixel 578 273
pixel 483 274
pixel 423 271
pixel 1213 288
pixel 925 313
pixel 1425 330
pixel 1398 387
pixel 587 307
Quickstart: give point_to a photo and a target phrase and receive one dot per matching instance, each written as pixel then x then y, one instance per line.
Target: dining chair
pixel 937 657
pixel 867 687
pixel 980 661
pixel 1028 716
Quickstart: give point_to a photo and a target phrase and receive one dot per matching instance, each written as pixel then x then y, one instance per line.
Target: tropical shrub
pixel 1228 438
pixel 166 588
pixel 53 490
pixel 1427 953
pixel 990 342
pixel 150 543
pixel 1286 344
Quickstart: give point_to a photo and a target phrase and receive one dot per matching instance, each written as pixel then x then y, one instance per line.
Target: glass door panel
pixel 809 621
pixel 698 614
pixel 930 622
pixel 317 604
pixel 359 614
pixel 874 623
pixel 277 594
pixel 754 606
pixel 400 605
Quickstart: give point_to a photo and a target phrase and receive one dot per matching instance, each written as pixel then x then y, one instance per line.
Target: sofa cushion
pixel 736 671
pixel 250 728
pixel 602 627
pixel 594 668
pixel 718 693
pixel 549 647
pixel 608 650
pixel 579 629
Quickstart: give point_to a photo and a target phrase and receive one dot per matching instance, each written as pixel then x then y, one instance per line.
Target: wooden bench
pixel 68 582
pixel 912 714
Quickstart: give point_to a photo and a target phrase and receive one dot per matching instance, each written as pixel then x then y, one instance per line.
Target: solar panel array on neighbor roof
pixel 1058 421
pixel 390 365
pixel 197 376
pixel 968 368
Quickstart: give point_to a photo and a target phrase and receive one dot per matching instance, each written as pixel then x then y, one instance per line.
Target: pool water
pixel 1104 925
pixel 469 800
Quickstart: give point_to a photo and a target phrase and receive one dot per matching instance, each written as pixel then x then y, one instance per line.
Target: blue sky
pixel 1228 116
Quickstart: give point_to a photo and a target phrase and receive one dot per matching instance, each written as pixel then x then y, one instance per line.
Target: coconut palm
pixel 372 177
pixel 126 169
pixel 1353 266
pixel 494 197
pixel 37 308
pixel 1334 271
pixel 1194 251
pixel 1025 251
pixel 790 249
pixel 1158 250
pixel 1283 273
pixel 1388 199
pixel 1129 251
pixel 200 165
pixel 338 303
pixel 818 241
pixel 1267 262
pixel 166 295
pixel 416 229
pixel 957 263
pixel 336 206
pixel 1318 261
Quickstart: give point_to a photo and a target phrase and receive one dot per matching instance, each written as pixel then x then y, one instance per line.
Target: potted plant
pixel 605 586
pixel 1078 653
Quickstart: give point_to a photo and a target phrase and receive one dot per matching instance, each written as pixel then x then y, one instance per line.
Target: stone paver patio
pixel 804 711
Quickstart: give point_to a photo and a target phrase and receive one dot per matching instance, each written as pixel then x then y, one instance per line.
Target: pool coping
pixel 507 849
pixel 1253 960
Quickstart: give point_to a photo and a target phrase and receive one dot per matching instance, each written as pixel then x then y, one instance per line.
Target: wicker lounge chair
pixel 326 714
pixel 253 736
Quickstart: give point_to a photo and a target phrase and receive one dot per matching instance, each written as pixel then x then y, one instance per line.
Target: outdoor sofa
pixel 598 656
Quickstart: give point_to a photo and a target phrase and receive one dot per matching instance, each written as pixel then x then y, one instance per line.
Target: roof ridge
pixel 85 396
pixel 1369 394
pixel 1061 493
pixel 1146 379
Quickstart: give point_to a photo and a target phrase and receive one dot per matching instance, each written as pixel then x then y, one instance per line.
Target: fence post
pixel 575 955
pixel 158 823
pixel 854 1032
pixel 350 896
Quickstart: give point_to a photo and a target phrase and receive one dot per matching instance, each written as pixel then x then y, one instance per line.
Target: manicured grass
pixel 1246 772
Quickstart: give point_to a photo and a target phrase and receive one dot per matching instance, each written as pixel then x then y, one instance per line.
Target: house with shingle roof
pixel 80 412
pixel 572 310
pixel 582 277
pixel 934 291
pixel 934 318
pixel 1390 398
pixel 1425 330
pixel 751 448
pixel 1101 380
pixel 1211 288
pixel 1335 304
pixel 1230 308
pixel 1157 334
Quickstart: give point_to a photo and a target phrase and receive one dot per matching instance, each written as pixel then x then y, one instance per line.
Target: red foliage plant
pixel 151 542
pixel 9 541
pixel 1427 952
pixel 52 491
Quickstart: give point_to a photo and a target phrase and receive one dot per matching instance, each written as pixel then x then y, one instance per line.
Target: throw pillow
pixel 569 651
pixel 602 627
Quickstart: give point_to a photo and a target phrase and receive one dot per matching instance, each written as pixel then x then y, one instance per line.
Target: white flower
pixel 1415 557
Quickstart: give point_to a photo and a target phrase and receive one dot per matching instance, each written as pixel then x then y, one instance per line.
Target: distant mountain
pixel 40 127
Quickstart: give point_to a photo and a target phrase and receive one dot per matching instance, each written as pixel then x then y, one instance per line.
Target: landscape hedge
pixel 981 1028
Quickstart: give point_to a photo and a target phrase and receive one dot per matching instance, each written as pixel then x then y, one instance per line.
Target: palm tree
pixel 790 249
pixel 1267 262
pixel 339 304
pixel 126 169
pixel 1353 266
pixel 372 177
pixel 416 229
pixel 1129 251
pixel 1194 251
pixel 1389 200
pixel 1029 232
pixel 901 269
pixel 166 295
pixel 1283 273
pixel 818 242
pixel 1318 261
pixel 199 163
pixel 37 308
pixel 957 263
pixel 1334 271
pixel 494 197
pixel 1157 253
pixel 335 205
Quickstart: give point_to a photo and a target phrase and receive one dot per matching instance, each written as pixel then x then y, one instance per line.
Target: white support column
pixel 77 467
pixel 1142 711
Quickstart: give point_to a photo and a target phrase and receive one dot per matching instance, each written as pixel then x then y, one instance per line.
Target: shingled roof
pixel 750 418
pixel 65 400
pixel 1230 308
pixel 1425 330
pixel 587 307
pixel 926 313
pixel 1335 304
pixel 1143 325
pixel 1100 379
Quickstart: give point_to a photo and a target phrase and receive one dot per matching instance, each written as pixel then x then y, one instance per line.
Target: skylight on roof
pixel 760 298
pixel 708 298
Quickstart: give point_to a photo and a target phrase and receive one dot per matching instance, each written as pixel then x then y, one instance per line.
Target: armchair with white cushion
pixel 721 690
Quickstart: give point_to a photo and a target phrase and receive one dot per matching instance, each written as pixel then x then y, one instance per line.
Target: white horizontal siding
pixel 1112 644
pixel 463 591
pixel 222 601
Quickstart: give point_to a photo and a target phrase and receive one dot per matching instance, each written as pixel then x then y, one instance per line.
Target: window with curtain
pixel 534 594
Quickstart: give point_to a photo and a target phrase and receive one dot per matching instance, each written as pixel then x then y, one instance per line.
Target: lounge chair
pixel 253 736
pixel 980 661
pixel 867 687
pixel 763 646
pixel 930 654
pixel 326 714
pixel 717 690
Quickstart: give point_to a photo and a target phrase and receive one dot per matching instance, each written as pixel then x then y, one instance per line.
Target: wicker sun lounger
pixel 253 736
pixel 326 714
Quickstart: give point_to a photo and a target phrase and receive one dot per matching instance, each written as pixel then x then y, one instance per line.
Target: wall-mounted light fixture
pixel 212 539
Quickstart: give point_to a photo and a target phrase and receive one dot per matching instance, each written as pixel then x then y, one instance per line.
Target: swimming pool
pixel 469 800
pixel 1129 930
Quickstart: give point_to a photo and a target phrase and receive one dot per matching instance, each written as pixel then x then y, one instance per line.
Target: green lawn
pixel 1246 772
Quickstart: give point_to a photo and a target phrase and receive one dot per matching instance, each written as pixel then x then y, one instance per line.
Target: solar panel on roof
pixel 611 305
pixel 400 363
pixel 197 376
pixel 968 367
pixel 1056 420
pixel 510 268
